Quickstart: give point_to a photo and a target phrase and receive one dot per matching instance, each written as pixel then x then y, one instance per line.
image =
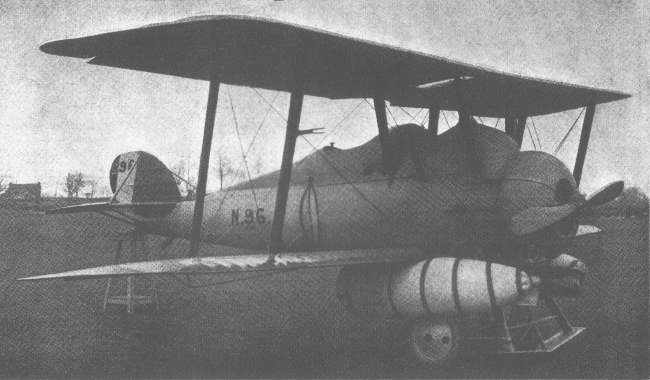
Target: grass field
pixel 287 325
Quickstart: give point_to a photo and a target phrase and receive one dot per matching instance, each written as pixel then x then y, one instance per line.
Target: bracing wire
pixel 539 143
pixel 531 136
pixel 446 121
pixel 330 163
pixel 241 147
pixel 250 146
pixel 568 132
pixel 339 123
pixel 391 115
pixel 413 118
pixel 407 114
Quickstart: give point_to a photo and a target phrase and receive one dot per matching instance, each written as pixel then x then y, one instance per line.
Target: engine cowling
pixel 436 287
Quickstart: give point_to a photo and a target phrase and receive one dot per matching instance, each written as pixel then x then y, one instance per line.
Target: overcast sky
pixel 59 115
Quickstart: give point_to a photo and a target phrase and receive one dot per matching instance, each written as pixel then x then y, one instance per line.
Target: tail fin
pixel 138 177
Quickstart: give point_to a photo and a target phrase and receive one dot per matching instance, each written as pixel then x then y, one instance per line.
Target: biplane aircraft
pixel 449 231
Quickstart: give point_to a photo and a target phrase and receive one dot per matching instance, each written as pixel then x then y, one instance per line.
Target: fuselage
pixel 343 199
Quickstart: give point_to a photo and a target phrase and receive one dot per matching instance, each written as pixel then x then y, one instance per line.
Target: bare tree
pixel 258 166
pixel 4 181
pixel 93 185
pixel 179 171
pixel 73 183
pixel 224 169
pixel 183 178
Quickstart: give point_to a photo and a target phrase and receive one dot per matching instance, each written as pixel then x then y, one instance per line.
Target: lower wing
pixel 104 206
pixel 242 263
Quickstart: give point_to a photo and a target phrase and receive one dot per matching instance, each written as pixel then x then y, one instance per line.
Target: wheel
pixel 434 342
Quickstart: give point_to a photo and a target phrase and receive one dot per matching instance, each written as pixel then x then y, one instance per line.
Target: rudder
pixel 138 177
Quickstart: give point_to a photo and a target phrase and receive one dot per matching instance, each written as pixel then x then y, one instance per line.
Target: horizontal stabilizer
pixel 242 263
pixel 104 206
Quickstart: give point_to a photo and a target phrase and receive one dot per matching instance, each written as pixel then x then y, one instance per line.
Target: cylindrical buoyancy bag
pixel 436 287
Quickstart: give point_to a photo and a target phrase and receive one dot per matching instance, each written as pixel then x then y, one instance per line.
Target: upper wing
pixel 242 263
pixel 257 52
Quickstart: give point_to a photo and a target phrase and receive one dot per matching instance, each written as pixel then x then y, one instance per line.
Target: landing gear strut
pixel 434 342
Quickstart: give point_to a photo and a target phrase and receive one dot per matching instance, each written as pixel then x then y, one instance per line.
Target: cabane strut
pixel 434 115
pixel 382 126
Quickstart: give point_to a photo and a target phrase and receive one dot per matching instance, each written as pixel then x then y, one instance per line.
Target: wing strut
pixel 195 237
pixel 382 125
pixel 584 142
pixel 291 135
pixel 515 127
pixel 520 127
pixel 466 122
pixel 434 115
pixel 510 126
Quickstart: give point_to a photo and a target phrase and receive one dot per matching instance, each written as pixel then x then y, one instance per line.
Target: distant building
pixel 30 191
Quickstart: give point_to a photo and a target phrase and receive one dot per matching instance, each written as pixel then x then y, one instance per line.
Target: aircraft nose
pixel 576 268
pixel 570 263
pixel 527 282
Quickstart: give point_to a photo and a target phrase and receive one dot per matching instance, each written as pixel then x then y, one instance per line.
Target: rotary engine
pixel 442 287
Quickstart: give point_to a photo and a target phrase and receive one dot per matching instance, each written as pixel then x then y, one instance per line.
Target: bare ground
pixel 287 325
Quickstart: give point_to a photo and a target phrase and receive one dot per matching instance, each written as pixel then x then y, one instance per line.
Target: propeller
pixel 605 194
pixel 534 219
pixel 562 276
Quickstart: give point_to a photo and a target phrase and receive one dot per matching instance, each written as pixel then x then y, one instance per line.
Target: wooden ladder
pixel 130 298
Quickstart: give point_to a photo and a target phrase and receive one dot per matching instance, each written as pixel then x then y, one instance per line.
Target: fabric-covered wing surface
pixel 262 53
pixel 105 206
pixel 242 263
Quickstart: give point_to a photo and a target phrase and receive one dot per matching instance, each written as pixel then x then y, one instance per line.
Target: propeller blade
pixel 604 195
pixel 585 229
pixel 536 218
